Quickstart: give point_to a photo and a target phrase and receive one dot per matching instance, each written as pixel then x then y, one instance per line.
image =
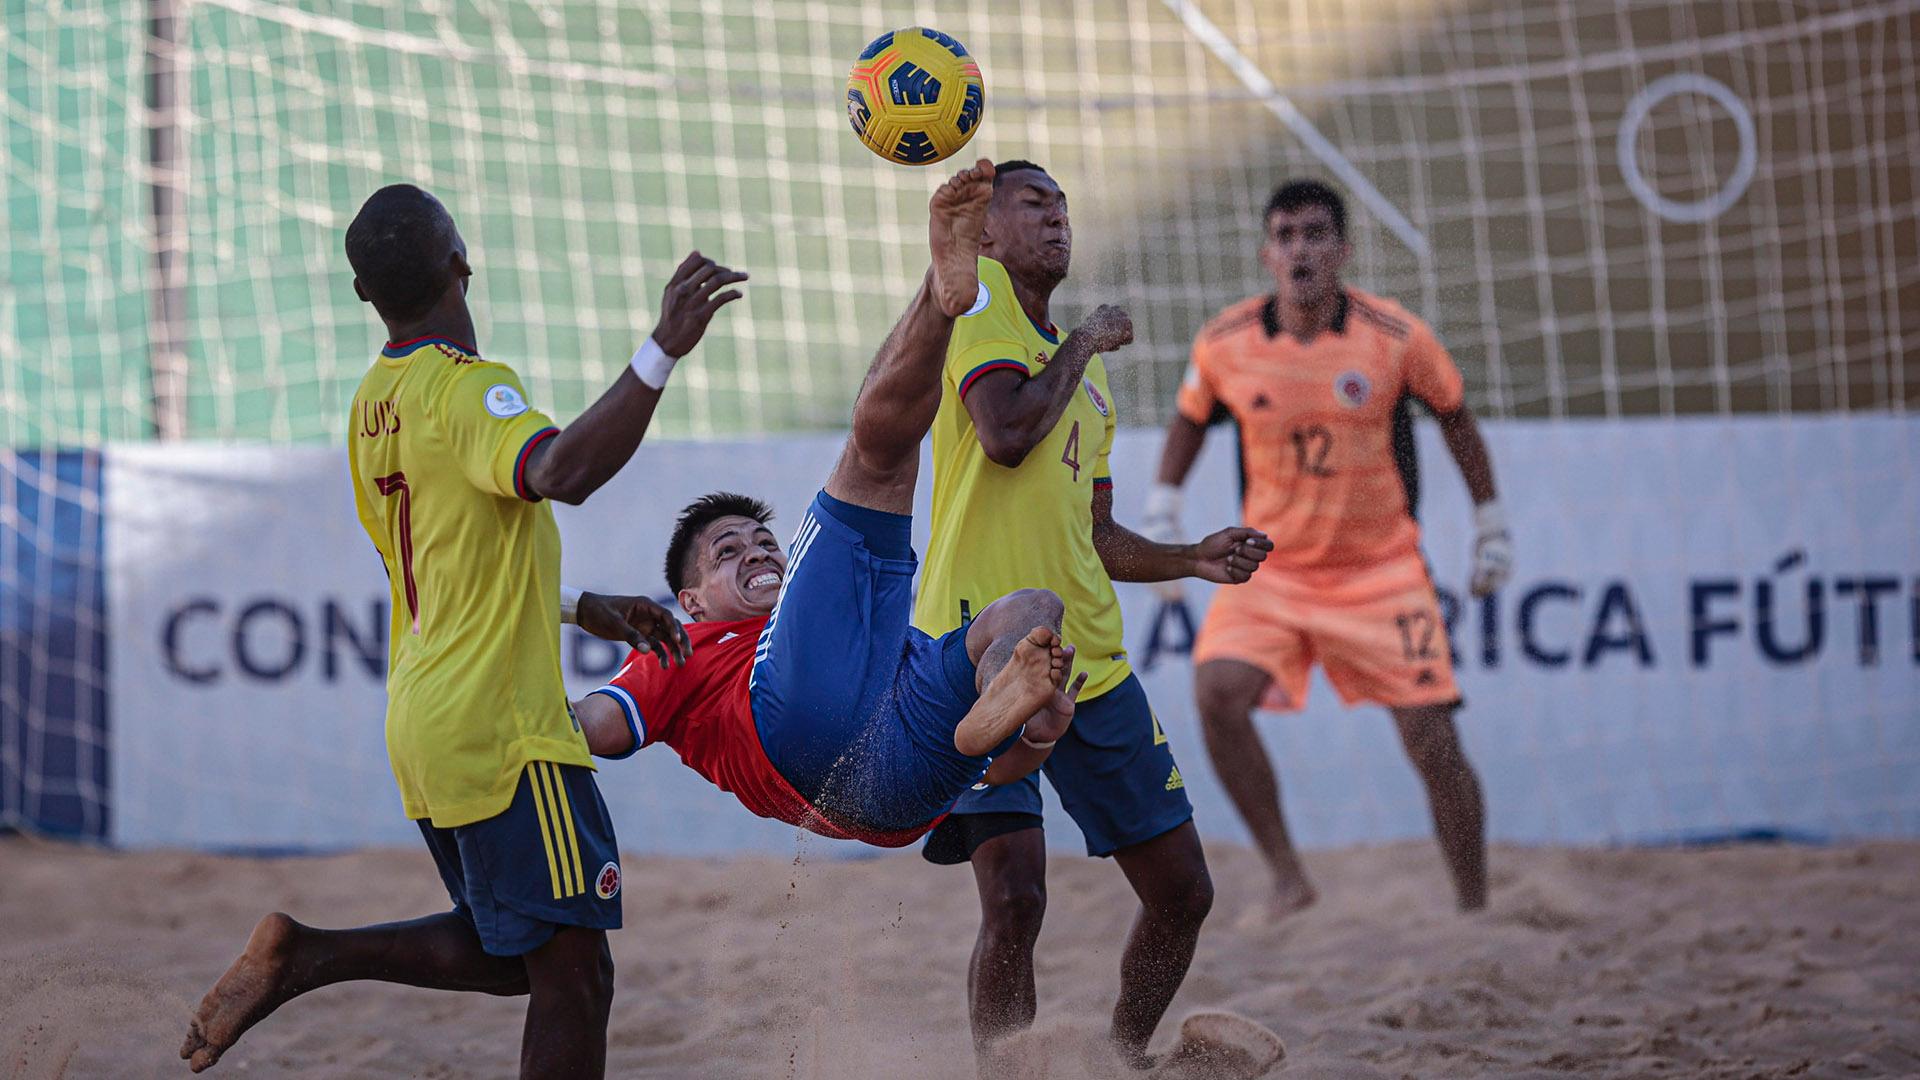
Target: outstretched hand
pixel 637 621
pixel 1230 556
pixel 690 301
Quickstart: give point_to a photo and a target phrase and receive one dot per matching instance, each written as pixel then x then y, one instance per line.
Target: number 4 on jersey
pixel 1071 455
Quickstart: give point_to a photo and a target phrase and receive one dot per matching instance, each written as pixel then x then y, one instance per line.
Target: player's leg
pixel 284 959
pixel 1010 872
pixel 570 985
pixel 1453 794
pixel 1382 639
pixel 901 395
pixel 1226 692
pixel 1116 777
pixel 1169 875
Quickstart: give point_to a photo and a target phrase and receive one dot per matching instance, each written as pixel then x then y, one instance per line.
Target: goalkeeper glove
pixel 1492 549
pixel 1162 526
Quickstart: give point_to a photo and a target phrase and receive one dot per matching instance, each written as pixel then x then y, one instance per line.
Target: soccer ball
pixel 915 96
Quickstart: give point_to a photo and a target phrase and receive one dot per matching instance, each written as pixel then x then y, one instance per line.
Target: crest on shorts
pixel 606 884
pixel 1093 395
pixel 1352 389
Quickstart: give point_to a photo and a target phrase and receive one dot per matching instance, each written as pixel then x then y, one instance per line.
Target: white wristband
pixel 569 605
pixel 1163 500
pixel 652 364
pixel 1048 745
pixel 1489 517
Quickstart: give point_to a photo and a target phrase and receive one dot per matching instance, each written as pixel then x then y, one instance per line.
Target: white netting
pixel 585 146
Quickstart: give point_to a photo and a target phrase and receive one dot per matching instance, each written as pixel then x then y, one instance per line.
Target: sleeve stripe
pixel 520 462
pixel 635 722
pixel 991 365
pixel 1103 481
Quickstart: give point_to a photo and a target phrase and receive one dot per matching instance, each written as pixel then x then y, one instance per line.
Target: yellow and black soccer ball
pixel 915 96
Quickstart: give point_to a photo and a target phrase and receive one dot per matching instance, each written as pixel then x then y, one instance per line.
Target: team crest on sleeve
pixel 1093 395
pixel 504 401
pixel 980 301
pixel 606 884
pixel 1352 389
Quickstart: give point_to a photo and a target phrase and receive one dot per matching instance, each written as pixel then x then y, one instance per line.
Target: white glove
pixel 1492 549
pixel 1162 526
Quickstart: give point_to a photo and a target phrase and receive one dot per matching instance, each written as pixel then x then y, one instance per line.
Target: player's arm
pixel 1492 543
pixel 605 724
pixel 1228 557
pixel 1433 377
pixel 1013 413
pixel 588 452
pixel 1195 409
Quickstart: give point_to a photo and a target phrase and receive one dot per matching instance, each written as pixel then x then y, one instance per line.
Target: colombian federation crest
pixel 1093 395
pixel 1352 389
pixel 606 884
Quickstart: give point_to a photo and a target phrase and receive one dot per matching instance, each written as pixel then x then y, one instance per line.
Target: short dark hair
pixel 699 514
pixel 398 245
pixel 1300 194
pixel 1001 170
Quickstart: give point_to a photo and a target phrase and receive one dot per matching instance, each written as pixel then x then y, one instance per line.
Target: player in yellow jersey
pixel 1317 376
pixel 1023 497
pixel 450 469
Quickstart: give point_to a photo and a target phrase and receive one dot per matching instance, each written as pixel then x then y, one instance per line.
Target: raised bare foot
pixel 959 213
pixel 1048 724
pixel 1288 898
pixel 1220 1046
pixel 253 987
pixel 1015 694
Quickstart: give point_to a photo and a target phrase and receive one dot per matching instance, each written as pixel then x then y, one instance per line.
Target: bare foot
pixel 959 213
pixel 253 987
pixel 1288 898
pixel 1015 694
pixel 1220 1046
pixel 1052 720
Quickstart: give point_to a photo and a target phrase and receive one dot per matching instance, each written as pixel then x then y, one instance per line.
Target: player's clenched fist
pixel 1230 556
pixel 1109 328
pixel 691 298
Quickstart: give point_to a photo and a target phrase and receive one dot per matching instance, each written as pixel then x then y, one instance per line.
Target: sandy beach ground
pixel 1736 962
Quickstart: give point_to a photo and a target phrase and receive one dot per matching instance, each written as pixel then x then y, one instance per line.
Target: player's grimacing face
pixel 741 567
pixel 1304 253
pixel 1027 226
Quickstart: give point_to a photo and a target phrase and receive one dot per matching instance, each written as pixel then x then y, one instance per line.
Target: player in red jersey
pixel 1317 376
pixel 808 693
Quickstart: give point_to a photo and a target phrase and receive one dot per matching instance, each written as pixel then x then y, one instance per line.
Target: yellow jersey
pixel 997 529
pixel 438 443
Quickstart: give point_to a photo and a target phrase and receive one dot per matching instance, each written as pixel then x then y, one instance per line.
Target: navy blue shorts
pixel 1114 774
pixel 854 706
pixel 548 860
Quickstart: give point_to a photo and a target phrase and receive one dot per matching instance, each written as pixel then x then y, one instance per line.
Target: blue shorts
pixel 548 860
pixel 1113 771
pixel 854 706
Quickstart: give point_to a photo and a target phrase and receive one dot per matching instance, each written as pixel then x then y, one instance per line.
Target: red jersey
pixel 1316 423
pixel 704 711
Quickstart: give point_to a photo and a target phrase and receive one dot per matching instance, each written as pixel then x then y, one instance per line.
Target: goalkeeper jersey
pixel 1317 424
pixel 997 529
pixel 438 443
